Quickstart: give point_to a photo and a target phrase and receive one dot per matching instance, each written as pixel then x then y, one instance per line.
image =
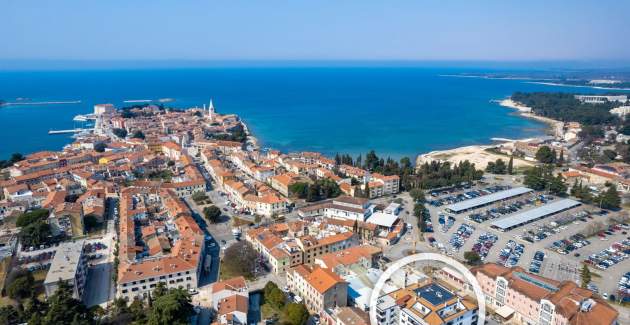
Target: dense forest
pixel 565 107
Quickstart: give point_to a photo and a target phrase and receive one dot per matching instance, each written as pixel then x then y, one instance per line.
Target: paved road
pixel 100 286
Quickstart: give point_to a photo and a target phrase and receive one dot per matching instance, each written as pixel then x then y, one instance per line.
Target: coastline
pixel 554 125
pixel 576 86
pixel 478 154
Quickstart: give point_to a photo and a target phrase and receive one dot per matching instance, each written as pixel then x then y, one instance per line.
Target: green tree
pixel 417 195
pixel 242 260
pixel 100 147
pixel 22 286
pixel 472 258
pixel 63 309
pixel 30 217
pixel 138 135
pixel 297 314
pixel 312 193
pixel 557 186
pixel 90 222
pixel 35 234
pixel 561 158
pixel 121 133
pixel 497 167
pixel 585 276
pixel 212 213
pixel 298 189
pixel 274 296
pixel 610 198
pixel 545 155
pixel 138 311
pixel 172 308
pixel 510 166
pixel 9 315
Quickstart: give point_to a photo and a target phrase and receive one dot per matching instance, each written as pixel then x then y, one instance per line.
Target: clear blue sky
pixel 314 30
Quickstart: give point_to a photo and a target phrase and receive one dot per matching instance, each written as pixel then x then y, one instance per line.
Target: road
pixel 100 285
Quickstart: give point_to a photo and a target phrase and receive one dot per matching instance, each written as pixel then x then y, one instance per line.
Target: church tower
pixel 211 110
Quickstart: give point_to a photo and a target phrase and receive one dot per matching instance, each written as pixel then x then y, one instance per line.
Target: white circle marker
pixel 376 293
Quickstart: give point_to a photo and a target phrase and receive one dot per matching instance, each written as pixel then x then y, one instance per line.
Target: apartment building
pixel 344 261
pixel 426 303
pixel 525 298
pixel 267 205
pixel 176 264
pixel 283 247
pixel 318 288
pixel 312 246
pixel 390 184
pixel 70 266
pixel 282 182
pixel 342 207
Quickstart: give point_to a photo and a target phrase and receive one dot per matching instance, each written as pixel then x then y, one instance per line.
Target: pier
pixel 77 130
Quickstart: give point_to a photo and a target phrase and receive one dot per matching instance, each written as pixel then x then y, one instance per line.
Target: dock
pixel 77 130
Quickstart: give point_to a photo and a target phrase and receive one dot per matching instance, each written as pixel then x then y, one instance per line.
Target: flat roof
pixel 487 199
pixel 66 261
pixel 435 294
pixel 383 219
pixel 534 214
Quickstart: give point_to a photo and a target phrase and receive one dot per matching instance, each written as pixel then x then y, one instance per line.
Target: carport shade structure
pixel 487 199
pixel 535 214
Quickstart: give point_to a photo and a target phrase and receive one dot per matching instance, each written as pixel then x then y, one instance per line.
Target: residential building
pixel 427 303
pixel 70 266
pixel 526 298
pixel 319 288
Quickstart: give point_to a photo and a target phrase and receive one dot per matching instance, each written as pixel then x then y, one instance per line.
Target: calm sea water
pixel 395 111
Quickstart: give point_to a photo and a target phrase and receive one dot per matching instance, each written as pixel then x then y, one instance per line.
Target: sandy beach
pixel 475 154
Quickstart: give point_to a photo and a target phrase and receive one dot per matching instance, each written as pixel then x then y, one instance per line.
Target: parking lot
pixel 557 237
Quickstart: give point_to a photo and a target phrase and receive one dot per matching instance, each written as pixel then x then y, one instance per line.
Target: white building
pixel 600 99
pixel 100 109
pixel 621 111
pixel 70 266
pixel 428 303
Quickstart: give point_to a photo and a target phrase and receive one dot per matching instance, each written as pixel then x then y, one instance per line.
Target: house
pixel 229 287
pixel 319 288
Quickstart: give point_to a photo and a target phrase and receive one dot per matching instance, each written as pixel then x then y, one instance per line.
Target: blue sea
pixel 397 111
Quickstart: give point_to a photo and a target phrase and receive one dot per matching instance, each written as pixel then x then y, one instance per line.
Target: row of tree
pixel 541 178
pixel 319 190
pixel 373 163
pixel 499 167
pixel 163 307
pixel 439 174
pixel 547 155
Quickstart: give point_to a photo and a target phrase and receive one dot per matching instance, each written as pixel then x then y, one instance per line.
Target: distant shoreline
pixel 576 86
pixel 535 81
pixel 40 103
